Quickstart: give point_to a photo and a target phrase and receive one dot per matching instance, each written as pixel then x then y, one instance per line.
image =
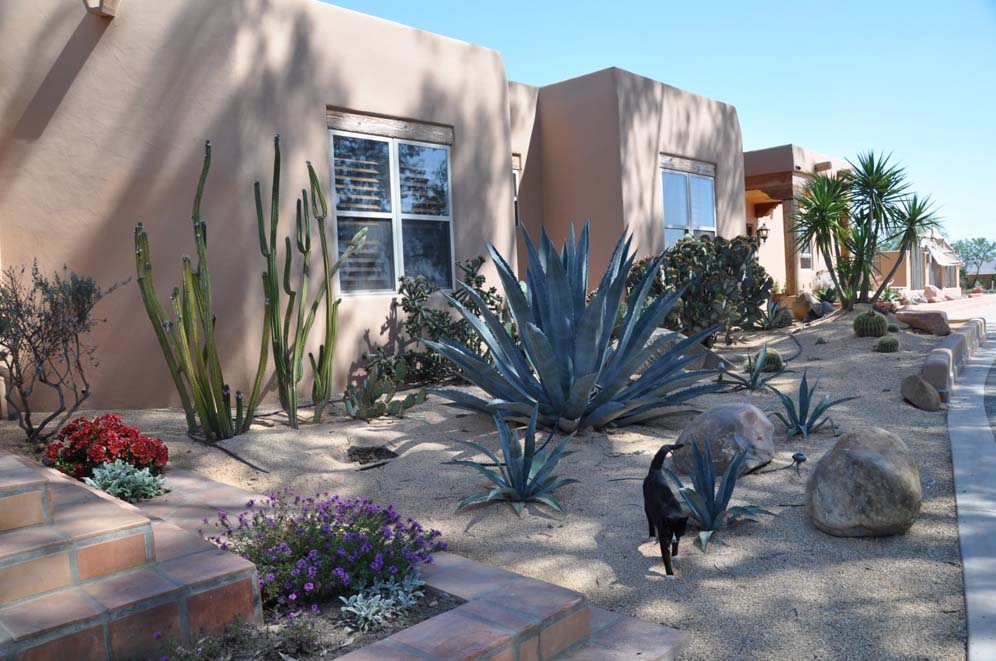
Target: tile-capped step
pixel 24 496
pixel 615 637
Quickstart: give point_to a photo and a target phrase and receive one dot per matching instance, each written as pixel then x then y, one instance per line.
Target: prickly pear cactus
pixel 365 402
pixel 887 344
pixel 870 324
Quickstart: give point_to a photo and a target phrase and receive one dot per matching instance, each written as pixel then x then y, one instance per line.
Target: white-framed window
pixel 806 256
pixel 400 191
pixel 689 202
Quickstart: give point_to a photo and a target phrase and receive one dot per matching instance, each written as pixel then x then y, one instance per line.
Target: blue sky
pixel 915 78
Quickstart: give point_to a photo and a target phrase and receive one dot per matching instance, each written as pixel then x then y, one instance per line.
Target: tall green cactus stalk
pixel 288 346
pixel 189 344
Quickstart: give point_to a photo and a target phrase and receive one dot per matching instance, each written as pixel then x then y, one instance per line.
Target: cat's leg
pixel 666 551
pixel 674 546
pixel 650 522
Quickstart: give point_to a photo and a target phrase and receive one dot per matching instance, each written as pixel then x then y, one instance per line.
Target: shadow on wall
pixel 247 69
pixel 656 118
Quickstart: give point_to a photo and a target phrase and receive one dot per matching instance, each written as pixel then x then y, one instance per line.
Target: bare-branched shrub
pixel 43 324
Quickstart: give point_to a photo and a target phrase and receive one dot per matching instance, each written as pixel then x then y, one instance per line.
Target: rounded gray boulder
pixel 728 428
pixel 867 485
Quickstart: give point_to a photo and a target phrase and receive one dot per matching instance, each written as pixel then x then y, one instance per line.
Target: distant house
pixel 931 262
pixel 774 179
pixel 986 276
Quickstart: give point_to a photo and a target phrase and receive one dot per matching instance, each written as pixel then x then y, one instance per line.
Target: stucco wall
pixel 527 142
pixel 103 127
pixel 656 119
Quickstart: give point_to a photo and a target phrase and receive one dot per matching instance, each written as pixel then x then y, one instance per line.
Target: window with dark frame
pixel 399 189
pixel 689 198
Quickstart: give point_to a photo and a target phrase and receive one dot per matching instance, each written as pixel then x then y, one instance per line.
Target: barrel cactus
pixel 870 324
pixel 772 362
pixel 887 344
pixel 893 328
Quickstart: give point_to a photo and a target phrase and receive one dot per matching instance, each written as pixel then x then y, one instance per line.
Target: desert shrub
pixel 122 480
pixel 774 315
pixel 826 294
pixel 43 326
pixel 725 284
pixel 422 320
pixel 560 355
pixel 308 550
pixel 84 444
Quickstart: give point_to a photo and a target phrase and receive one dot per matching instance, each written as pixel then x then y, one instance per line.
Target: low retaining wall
pixel 944 361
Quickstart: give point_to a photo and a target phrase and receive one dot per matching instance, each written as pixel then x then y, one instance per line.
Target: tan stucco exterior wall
pixel 601 137
pixel 656 119
pixel 103 127
pixel 783 171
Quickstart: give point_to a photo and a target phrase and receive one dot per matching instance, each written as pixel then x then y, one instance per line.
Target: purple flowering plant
pixel 310 549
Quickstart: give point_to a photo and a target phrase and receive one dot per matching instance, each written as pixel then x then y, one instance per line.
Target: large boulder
pixel 803 303
pixel 933 294
pixel 920 394
pixel 867 485
pixel 729 428
pixel 934 322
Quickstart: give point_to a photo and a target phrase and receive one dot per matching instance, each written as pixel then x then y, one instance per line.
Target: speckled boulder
pixel 728 428
pixel 802 304
pixel 867 485
pixel 920 394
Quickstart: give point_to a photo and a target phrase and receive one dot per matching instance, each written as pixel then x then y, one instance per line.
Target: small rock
pixel 728 428
pixel 867 485
pixel 934 322
pixel 821 340
pixel 920 394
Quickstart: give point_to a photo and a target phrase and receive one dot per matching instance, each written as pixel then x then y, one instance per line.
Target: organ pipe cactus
pixel 188 340
pixel 562 355
pixel 289 331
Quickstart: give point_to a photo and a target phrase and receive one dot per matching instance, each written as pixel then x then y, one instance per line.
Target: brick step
pixel 191 588
pixel 615 637
pixel 85 537
pixel 24 496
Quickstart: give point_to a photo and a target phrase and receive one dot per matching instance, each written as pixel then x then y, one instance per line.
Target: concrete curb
pixel 973 455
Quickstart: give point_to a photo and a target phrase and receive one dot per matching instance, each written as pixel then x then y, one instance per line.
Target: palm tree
pixel 878 187
pixel 914 217
pixel 821 219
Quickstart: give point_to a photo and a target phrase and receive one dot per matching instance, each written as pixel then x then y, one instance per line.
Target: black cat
pixel 663 510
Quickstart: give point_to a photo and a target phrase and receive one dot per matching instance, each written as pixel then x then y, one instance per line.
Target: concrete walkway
pixel 973 453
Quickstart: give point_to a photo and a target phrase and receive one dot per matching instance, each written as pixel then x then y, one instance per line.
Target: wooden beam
pixel 387 127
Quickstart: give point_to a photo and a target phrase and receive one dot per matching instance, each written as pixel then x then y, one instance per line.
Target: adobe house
pixel 932 261
pixel 625 151
pixel 106 112
pixel 775 178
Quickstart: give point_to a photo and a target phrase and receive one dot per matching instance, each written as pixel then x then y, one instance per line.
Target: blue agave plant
pixel 709 507
pixel 526 474
pixel 799 419
pixel 564 360
pixel 757 378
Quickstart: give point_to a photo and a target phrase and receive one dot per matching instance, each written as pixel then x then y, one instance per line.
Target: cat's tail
pixel 662 454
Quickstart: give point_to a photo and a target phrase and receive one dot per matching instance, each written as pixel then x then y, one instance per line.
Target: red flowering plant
pixel 83 444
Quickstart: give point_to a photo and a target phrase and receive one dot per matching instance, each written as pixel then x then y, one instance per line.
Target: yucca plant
pixel 709 507
pixel 564 360
pixel 798 418
pixel 525 473
pixel 759 373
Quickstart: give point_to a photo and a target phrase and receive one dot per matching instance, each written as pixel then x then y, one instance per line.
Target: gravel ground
pixel 776 589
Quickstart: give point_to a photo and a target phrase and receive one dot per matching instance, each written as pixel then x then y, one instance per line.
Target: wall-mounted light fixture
pixel 762 233
pixel 105 8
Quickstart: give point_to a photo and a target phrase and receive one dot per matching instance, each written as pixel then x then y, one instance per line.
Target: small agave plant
pixel 799 419
pixel 757 378
pixel 709 507
pixel 525 473
pixel 566 359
